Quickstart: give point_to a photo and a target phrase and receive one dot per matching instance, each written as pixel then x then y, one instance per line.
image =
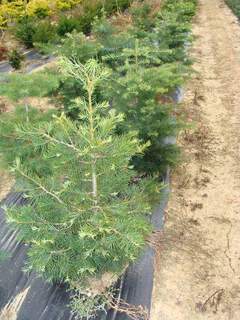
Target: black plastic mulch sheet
pixel 32 59
pixel 25 296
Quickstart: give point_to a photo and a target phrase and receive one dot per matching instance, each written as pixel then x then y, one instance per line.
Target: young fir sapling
pixel 89 215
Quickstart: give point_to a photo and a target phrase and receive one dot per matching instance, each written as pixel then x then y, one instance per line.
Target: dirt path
pixel 198 269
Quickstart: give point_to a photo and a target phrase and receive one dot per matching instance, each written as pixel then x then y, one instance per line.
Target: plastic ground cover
pixel 25 296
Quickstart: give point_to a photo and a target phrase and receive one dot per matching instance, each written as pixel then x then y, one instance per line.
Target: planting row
pixel 91 167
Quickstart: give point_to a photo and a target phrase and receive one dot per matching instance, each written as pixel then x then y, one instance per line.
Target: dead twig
pixel 134 312
pixel 213 300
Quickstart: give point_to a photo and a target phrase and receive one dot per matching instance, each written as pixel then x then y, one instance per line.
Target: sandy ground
pixel 6 183
pixel 197 272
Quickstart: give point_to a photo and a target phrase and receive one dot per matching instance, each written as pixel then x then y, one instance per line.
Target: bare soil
pixel 197 273
pixel 6 183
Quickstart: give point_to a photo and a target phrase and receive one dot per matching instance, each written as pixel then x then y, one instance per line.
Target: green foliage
pixel 12 146
pixel 41 13
pixel 20 86
pixel 38 30
pixel 91 10
pixel 15 59
pixel 25 30
pixel 96 9
pixel 87 306
pixel 147 62
pixel 44 32
pixel 75 46
pixel 31 31
pixel 13 10
pixel 88 217
pixel 235 6
pixel 137 97
pixel 88 207
pixel 141 17
pixel 117 5
pixel 66 25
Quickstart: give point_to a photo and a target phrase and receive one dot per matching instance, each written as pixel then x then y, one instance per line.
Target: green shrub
pixel 25 30
pixel 141 18
pixel 91 11
pixel 31 31
pixel 15 59
pixel 67 25
pixel 41 13
pixel 39 30
pixel 45 32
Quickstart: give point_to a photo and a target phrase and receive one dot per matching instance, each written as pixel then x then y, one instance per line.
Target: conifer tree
pixel 88 216
pixel 147 62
